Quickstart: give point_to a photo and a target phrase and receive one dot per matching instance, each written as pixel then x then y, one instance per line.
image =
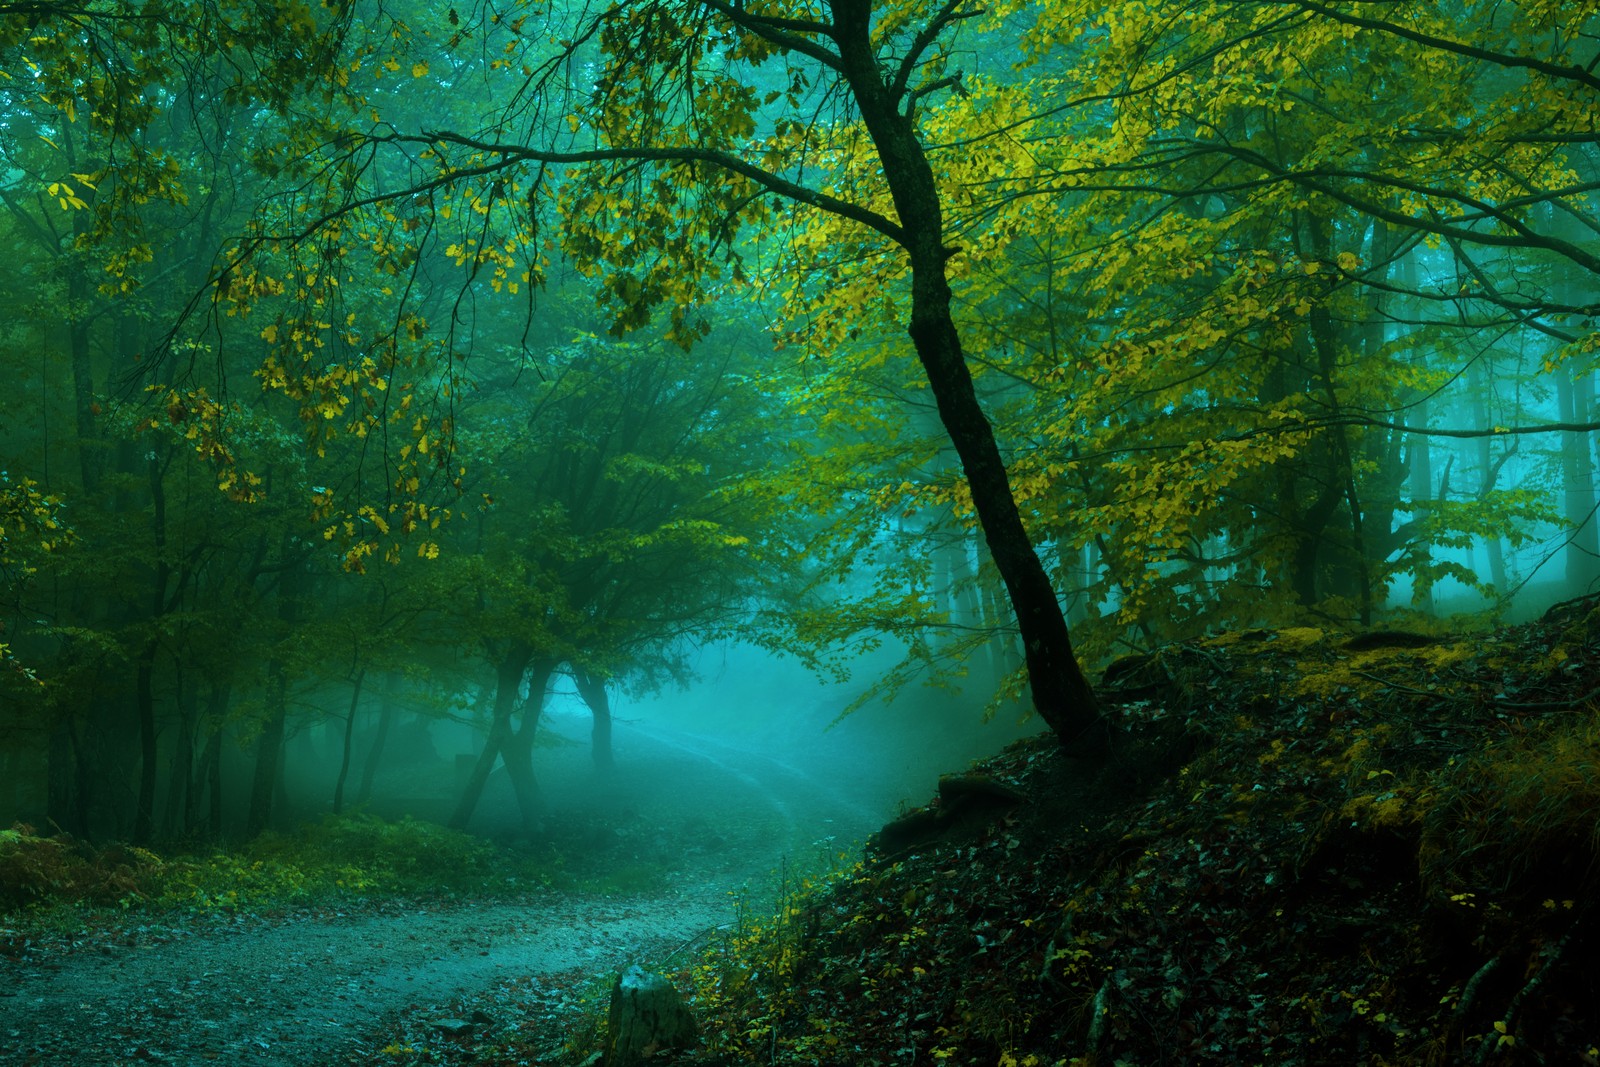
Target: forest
pixel 415 409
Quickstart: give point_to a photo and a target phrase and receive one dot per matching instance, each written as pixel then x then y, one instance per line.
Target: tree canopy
pixel 621 322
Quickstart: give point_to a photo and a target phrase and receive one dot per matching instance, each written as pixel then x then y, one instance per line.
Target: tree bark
pixel 1061 694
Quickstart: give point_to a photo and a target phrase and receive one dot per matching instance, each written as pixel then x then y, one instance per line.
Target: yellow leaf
pixel 419 69
pixel 269 333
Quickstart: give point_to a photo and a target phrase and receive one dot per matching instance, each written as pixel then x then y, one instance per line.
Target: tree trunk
pixel 1061 694
pixel 369 770
pixel 269 753
pixel 1325 341
pixel 516 754
pixel 79 289
pixel 1421 502
pixel 1576 398
pixel 508 680
pixel 178 815
pixel 144 700
pixel 1488 471
pixel 349 732
pixel 593 691
pixel 208 775
pixel 144 703
pixel 269 750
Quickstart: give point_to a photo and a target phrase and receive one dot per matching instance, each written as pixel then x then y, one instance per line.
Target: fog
pixel 752 764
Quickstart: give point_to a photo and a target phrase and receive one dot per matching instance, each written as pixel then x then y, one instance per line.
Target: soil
pixel 324 987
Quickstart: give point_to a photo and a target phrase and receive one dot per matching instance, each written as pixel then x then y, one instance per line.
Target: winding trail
pixel 305 992
pixel 308 990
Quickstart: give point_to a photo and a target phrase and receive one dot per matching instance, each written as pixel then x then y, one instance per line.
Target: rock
pixel 647 1015
pixel 974 790
pixel 966 802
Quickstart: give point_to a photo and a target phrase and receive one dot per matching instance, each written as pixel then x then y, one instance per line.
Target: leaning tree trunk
pixel 508 680
pixel 1061 693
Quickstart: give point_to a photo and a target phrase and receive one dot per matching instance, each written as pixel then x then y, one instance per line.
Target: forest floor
pixel 701 833
pixel 1307 849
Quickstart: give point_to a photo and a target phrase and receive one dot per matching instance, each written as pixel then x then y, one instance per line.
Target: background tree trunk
pixel 269 749
pixel 593 691
pixel 508 681
pixel 349 734
pixel 517 752
pixel 369 769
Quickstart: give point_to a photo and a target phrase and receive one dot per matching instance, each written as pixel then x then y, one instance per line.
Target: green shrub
pixel 388 856
pixel 38 870
pixel 339 857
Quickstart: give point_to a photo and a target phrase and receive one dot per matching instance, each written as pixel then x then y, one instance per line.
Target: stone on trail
pixel 647 1016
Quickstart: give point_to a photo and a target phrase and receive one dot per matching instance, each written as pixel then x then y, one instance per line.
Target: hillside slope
pixel 1309 849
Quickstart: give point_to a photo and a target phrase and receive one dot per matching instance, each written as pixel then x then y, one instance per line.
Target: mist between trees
pixel 374 368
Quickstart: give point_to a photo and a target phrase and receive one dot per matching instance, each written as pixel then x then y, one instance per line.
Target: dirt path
pixel 306 992
pixel 311 989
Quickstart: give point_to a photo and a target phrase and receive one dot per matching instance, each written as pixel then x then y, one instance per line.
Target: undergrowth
pixel 1349 854
pixel 749 983
pixel 339 858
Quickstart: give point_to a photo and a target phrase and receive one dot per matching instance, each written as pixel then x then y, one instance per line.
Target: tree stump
pixel 647 1015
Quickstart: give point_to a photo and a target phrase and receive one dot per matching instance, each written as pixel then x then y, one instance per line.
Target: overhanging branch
pixel 723 160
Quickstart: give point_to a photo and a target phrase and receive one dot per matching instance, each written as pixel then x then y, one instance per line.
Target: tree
pixel 679 144
pixel 612 535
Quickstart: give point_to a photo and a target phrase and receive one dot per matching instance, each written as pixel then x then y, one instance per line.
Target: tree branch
pixel 785 33
pixel 512 154
pixel 924 40
pixel 1555 70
